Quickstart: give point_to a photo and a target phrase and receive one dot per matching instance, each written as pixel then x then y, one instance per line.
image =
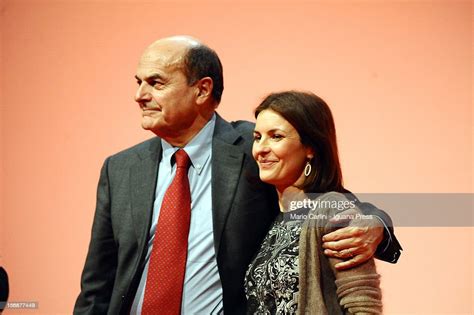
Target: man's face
pixel 163 94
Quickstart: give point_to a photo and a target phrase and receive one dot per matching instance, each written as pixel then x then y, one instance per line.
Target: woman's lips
pixel 266 164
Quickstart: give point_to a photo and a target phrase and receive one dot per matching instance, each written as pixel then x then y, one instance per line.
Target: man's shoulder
pixel 137 151
pixel 243 127
pixel 238 133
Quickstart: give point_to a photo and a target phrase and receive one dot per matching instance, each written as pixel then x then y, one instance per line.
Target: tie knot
pixel 182 159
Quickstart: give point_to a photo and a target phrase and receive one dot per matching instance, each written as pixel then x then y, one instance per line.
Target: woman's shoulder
pixel 332 195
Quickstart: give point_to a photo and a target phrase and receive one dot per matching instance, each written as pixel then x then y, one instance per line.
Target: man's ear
pixel 204 90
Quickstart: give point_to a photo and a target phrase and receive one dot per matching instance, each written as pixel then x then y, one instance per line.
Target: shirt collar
pixel 198 149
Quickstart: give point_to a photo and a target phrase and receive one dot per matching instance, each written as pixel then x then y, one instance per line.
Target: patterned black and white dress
pixel 271 281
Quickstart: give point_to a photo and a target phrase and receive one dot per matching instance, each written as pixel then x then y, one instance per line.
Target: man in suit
pixel 179 87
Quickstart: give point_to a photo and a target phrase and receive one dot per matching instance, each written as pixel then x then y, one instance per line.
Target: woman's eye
pixel 256 137
pixel 277 137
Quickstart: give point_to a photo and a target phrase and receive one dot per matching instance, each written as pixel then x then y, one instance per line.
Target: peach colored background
pixel 398 76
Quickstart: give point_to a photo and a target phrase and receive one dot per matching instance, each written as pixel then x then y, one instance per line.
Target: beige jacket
pixel 322 288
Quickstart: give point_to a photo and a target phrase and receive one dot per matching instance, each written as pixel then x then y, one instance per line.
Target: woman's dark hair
pixel 312 118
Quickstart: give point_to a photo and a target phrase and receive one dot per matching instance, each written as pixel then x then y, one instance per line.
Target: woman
pixel 296 151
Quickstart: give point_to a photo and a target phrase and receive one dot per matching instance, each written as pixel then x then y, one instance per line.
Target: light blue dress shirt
pixel 202 292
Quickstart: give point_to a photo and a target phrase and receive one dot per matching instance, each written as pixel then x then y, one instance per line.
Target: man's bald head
pixel 184 40
pixel 173 48
pixel 194 58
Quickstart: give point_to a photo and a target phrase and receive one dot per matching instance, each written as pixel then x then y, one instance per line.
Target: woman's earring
pixel 307 169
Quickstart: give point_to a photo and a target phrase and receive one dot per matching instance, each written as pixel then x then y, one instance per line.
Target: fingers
pixel 355 261
pixel 342 254
pixel 350 249
pixel 343 233
pixel 355 242
pixel 353 257
pixel 354 250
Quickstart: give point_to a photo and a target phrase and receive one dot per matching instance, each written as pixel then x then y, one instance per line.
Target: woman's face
pixel 277 148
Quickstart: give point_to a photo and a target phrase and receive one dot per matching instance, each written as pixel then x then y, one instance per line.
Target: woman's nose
pixel 261 146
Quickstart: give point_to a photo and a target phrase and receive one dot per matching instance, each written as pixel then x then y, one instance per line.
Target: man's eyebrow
pixel 153 76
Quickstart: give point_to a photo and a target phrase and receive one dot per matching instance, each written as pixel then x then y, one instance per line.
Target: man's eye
pixel 139 82
pixel 256 137
pixel 156 83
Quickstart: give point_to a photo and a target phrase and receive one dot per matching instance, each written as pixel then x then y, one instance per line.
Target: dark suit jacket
pixel 243 208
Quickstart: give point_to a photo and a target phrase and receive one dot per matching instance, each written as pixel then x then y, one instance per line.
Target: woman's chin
pixel 266 179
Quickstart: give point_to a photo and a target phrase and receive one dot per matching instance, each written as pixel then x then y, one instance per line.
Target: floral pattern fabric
pixel 271 281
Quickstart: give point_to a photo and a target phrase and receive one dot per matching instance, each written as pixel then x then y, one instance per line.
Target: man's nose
pixel 142 94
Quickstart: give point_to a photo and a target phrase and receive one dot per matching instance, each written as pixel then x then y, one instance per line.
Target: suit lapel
pixel 227 161
pixel 143 184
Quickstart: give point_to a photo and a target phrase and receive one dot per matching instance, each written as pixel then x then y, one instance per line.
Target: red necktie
pixel 164 284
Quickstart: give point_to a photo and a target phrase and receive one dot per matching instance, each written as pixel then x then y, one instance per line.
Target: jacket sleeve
pixel 358 289
pixel 322 288
pixel 98 276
